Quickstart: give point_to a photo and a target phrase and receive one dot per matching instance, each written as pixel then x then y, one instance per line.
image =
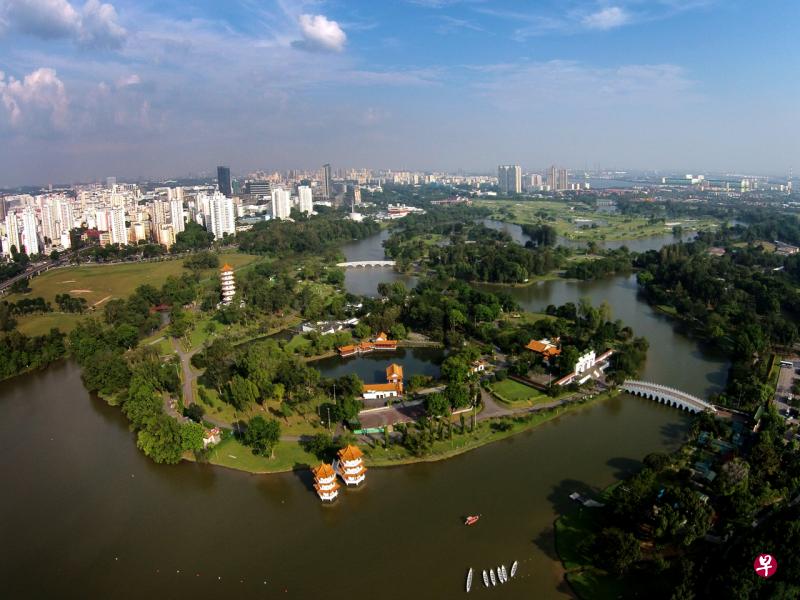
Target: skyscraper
pixel 223 218
pixel 224 181
pixel 281 203
pixel 306 203
pixel 327 184
pixel 509 179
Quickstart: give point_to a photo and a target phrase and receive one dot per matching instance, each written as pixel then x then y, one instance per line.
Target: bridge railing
pixel 656 387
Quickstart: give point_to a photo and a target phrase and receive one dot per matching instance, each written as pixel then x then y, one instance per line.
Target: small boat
pixel 492 577
pixel 472 519
pixel 485 578
pixel 514 568
pixel 469 580
pixel 505 573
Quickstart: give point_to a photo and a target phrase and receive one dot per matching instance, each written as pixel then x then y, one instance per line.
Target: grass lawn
pixel 288 456
pixel 42 324
pixel 517 393
pixel 561 215
pixel 298 343
pixel 99 283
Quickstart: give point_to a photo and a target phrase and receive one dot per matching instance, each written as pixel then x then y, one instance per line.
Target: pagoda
pixel 227 283
pixel 350 465
pixel 325 482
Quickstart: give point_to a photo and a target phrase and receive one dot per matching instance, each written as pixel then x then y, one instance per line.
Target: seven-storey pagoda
pixel 325 482
pixel 228 284
pixel 350 465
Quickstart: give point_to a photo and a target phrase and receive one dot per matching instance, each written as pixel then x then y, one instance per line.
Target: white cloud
pixel 37 104
pixel 128 80
pixel 99 26
pixel 43 18
pixel 95 25
pixel 607 18
pixel 320 33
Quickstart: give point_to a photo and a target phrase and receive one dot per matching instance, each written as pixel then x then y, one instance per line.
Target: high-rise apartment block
pixel 176 215
pixel 557 179
pixel 509 179
pixel 305 199
pixel 221 215
pixel 30 231
pixel 281 203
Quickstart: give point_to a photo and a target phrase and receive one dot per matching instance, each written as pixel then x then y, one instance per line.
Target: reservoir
pixel 88 516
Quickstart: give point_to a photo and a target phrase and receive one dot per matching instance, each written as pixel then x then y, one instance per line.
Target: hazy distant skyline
pixel 157 89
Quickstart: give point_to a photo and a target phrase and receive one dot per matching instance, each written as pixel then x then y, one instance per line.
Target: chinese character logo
pixel 765 565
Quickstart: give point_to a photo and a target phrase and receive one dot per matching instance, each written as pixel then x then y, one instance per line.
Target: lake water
pixel 86 515
pixel 364 281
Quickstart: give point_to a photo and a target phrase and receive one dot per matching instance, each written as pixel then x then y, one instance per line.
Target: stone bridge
pixel 366 263
pixel 667 395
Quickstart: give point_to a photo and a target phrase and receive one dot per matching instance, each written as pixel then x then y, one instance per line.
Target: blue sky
pixel 156 89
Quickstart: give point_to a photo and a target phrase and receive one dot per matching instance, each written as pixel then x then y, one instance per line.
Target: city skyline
pixel 136 91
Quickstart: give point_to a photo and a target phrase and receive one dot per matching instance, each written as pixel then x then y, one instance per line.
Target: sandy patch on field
pixel 80 291
pixel 67 281
pixel 101 301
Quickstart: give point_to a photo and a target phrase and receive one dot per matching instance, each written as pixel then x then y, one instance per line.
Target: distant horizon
pixel 239 175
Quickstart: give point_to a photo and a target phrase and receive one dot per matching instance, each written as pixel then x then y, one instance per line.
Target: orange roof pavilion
pixel 226 267
pixel 394 373
pixel 324 471
pixel 543 348
pixel 350 453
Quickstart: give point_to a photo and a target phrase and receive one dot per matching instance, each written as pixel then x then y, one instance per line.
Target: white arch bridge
pixel 366 263
pixel 667 395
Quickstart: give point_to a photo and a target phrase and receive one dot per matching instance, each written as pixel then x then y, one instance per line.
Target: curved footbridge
pixel 366 263
pixel 667 395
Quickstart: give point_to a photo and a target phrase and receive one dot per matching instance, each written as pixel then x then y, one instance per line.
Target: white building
pixel 30 233
pixel 119 233
pixel 12 233
pixel 281 204
pixel 585 362
pixel 176 214
pixel 305 199
pixel 222 216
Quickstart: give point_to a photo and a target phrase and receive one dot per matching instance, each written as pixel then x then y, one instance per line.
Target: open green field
pixel 41 324
pixel 562 214
pixel 289 456
pixel 517 393
pixel 100 283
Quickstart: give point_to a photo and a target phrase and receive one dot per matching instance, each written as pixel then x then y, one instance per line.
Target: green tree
pixel 242 392
pixel 262 435
pixel 436 405
pixel 617 550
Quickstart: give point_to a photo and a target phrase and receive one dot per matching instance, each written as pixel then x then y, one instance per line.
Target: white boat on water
pixel 492 577
pixel 504 572
pixel 514 568
pixel 469 580
pixel 485 578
